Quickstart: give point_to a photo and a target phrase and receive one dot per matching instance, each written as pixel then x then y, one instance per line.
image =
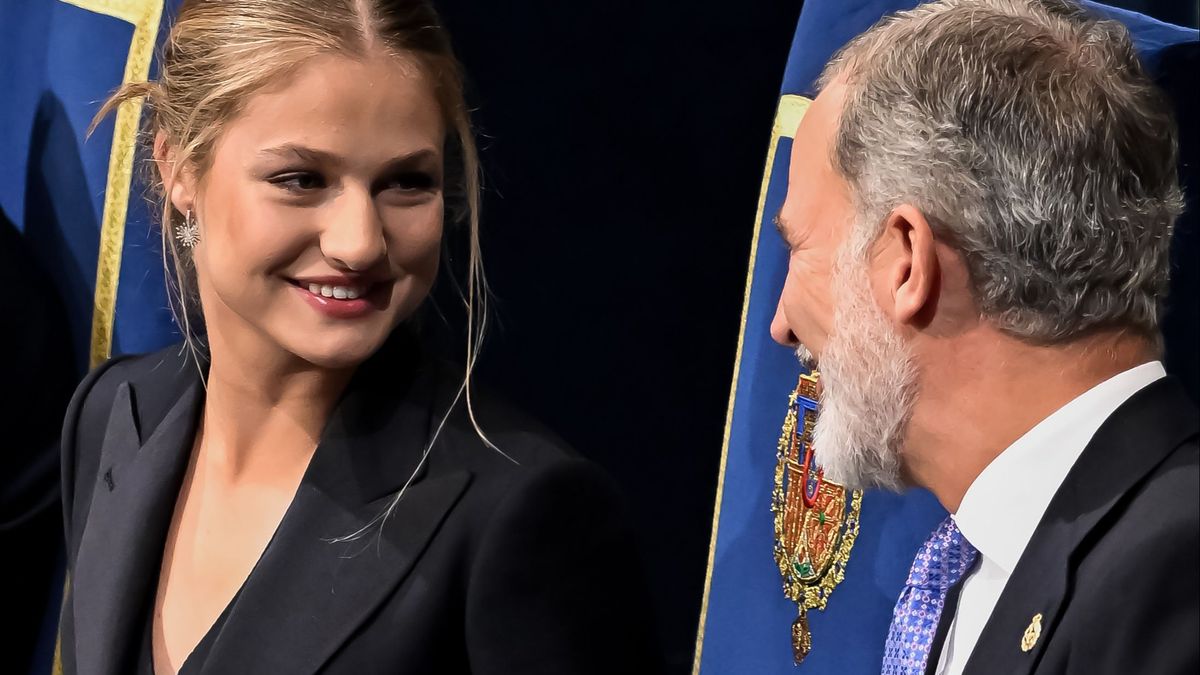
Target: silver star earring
pixel 188 233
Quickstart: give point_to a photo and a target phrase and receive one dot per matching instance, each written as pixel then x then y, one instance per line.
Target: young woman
pixel 300 488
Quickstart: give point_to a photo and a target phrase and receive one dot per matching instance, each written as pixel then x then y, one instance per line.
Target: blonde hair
pixel 221 52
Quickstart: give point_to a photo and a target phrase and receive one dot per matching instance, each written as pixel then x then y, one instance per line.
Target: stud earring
pixel 188 233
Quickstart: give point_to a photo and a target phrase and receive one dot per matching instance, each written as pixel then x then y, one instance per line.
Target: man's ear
pixel 178 183
pixel 913 274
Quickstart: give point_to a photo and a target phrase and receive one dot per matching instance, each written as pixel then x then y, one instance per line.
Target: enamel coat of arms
pixel 816 521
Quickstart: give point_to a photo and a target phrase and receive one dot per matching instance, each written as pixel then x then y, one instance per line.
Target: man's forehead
pixel 809 166
pixel 815 134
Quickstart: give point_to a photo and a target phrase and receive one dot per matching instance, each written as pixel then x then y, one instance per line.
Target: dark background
pixel 623 147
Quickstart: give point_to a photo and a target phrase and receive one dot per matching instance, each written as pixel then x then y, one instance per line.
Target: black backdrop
pixel 623 147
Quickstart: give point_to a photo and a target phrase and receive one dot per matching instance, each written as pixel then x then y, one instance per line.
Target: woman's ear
pixel 178 183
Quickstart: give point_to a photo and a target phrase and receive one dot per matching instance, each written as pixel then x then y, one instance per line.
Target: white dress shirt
pixel 1005 503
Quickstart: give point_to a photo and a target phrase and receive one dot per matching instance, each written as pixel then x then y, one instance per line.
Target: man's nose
pixel 354 236
pixel 780 331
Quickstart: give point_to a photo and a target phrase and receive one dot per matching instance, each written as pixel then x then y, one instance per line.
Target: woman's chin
pixel 338 354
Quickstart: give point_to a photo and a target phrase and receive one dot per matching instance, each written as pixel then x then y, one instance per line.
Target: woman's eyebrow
pixel 326 158
pixel 415 157
pixel 303 153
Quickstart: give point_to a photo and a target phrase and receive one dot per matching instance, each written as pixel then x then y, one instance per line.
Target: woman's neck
pixel 264 410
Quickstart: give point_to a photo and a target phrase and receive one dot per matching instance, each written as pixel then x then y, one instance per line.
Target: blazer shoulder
pixel 1160 516
pixel 1140 574
pixel 550 534
pixel 516 462
pixel 87 417
pixel 1138 478
pixel 90 404
pixel 489 436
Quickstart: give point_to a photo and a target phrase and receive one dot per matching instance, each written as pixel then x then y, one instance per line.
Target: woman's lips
pixel 352 300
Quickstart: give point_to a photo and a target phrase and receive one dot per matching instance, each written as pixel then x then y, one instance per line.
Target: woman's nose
pixel 354 236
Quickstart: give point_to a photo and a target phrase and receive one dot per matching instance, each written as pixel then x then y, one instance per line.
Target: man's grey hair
pixel 1028 135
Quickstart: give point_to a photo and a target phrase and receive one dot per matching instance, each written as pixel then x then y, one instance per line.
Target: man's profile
pixel 978 218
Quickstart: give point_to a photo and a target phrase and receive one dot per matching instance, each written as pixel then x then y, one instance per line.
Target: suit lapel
pixel 1135 439
pixel 121 545
pixel 309 592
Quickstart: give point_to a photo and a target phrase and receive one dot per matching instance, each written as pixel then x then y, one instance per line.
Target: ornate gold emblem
pixel 1032 633
pixel 816 521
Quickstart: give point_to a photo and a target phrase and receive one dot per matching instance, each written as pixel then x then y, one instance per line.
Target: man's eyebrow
pixel 780 224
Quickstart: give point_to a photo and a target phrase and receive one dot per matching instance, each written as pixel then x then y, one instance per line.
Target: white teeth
pixel 336 292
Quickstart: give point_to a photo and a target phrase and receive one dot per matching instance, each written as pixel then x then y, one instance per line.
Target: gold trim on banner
pixel 787 117
pixel 145 16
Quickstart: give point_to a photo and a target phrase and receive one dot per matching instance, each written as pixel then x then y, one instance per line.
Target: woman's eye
pixel 299 181
pixel 411 181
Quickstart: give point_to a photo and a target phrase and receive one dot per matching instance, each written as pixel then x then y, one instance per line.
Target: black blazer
pixel 486 566
pixel 1114 565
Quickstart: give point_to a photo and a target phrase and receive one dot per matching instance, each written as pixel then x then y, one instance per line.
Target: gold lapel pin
pixel 1032 633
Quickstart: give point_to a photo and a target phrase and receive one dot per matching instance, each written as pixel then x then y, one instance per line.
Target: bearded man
pixel 979 212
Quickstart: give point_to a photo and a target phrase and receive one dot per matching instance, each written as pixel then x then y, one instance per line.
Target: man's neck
pixel 991 391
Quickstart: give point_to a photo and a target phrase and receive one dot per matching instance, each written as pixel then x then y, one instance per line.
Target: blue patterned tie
pixel 943 560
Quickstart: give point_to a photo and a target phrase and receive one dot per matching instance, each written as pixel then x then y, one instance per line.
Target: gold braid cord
pixel 145 16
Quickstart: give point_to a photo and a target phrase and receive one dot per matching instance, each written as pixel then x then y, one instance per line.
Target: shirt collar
pixel 1005 503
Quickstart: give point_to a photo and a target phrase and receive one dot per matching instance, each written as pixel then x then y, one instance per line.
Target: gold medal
pixel 816 521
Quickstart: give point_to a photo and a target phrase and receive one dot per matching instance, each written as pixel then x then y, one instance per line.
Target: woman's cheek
pixel 418 244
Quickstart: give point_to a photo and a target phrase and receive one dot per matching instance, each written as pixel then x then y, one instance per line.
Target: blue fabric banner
pixel 79 201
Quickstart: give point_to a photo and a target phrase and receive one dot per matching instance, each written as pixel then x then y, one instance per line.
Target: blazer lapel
pixel 309 592
pixel 1130 443
pixel 120 548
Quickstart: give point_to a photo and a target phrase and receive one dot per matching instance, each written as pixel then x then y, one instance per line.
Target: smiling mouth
pixel 335 292
pixel 342 291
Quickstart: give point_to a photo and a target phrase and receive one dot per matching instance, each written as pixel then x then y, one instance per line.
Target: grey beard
pixel 869 388
pixel 806 358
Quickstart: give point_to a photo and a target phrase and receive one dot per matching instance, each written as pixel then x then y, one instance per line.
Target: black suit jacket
pixel 486 566
pixel 1114 565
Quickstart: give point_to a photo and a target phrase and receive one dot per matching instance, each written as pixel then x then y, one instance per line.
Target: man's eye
pixel 298 181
